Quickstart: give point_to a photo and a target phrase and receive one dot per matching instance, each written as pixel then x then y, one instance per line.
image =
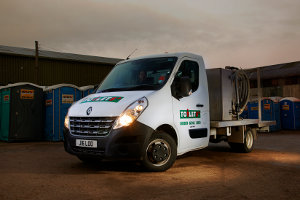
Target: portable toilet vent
pixel 21 112
pixel 58 99
pixel 290 113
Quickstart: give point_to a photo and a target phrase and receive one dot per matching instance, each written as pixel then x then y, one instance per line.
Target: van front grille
pixel 91 126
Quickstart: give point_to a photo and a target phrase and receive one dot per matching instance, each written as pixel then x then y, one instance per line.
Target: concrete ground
pixel 44 171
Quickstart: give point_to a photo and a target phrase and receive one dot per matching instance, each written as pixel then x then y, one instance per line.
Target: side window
pixel 189 69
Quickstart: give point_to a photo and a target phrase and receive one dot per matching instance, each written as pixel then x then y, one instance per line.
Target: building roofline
pixel 276 71
pixel 26 52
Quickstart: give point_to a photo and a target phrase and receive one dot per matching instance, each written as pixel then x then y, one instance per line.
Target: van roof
pixel 178 55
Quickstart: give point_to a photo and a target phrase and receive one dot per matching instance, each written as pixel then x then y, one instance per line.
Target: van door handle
pixel 199 105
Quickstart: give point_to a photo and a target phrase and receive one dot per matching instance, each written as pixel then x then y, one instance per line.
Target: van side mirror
pixel 181 87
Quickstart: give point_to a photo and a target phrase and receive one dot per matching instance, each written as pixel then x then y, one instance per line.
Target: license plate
pixel 86 143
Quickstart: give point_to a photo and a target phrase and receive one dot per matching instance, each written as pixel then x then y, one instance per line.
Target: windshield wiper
pixel 111 90
pixel 143 87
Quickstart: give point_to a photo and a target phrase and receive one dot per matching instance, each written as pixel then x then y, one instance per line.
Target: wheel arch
pixel 169 130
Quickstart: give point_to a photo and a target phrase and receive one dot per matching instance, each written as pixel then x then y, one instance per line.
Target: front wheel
pixel 245 147
pixel 160 152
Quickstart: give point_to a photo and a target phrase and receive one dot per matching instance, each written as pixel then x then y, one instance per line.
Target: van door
pixel 190 114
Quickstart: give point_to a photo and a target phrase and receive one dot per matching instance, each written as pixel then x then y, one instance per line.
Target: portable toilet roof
pixel 293 99
pixel 20 83
pixel 53 87
pixel 86 87
pixel 274 99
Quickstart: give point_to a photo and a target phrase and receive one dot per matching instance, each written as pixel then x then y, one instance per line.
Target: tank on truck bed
pixel 228 95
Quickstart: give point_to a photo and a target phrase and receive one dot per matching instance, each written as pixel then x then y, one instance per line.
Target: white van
pixel 151 109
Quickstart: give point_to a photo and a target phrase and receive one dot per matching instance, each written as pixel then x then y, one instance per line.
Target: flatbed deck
pixel 222 124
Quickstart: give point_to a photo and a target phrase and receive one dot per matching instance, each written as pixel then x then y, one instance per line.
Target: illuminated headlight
pixel 131 113
pixel 67 121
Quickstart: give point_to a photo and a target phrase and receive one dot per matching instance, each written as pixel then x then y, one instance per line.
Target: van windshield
pixel 143 74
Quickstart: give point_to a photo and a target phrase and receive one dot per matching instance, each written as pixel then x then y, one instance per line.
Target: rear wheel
pixel 245 147
pixel 160 152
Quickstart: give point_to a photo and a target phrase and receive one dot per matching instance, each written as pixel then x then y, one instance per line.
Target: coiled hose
pixel 241 94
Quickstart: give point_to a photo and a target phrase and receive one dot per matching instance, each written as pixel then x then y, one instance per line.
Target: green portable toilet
pixel 0 111
pixel 5 115
pixel 21 112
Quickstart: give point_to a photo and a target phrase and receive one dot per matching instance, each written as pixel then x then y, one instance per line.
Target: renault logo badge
pixel 89 110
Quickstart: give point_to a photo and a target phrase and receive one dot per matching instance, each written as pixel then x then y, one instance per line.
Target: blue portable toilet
pixel 290 113
pixel 58 99
pixel 87 90
pixel 270 111
pixel 270 107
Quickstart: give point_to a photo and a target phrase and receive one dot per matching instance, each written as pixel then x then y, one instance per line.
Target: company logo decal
pixel 89 110
pixel 67 98
pixel 285 107
pixel 267 106
pixel 189 114
pixel 27 94
pixel 103 99
pixel 6 98
pixel 48 102
pixel 254 108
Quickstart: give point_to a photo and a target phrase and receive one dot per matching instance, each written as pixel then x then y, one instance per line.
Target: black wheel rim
pixel 158 152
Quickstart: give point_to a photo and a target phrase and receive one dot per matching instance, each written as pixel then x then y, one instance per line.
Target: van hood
pixel 109 104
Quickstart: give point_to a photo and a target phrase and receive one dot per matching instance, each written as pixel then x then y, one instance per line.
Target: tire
pixel 160 152
pixel 245 147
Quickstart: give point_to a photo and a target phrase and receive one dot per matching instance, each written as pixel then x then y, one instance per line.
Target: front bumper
pixel 123 143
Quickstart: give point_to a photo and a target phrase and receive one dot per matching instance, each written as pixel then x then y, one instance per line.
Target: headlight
pixel 131 113
pixel 67 121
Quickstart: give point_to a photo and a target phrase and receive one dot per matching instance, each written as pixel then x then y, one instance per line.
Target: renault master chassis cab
pixel 155 108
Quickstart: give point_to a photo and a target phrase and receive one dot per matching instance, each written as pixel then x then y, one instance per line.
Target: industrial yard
pixel 149 100
pixel 43 170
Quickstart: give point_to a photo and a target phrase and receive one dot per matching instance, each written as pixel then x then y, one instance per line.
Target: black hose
pixel 241 92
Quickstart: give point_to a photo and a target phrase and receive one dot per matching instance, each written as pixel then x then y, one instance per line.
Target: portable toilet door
pixel 271 111
pixel 22 112
pixel 68 95
pixel 49 115
pixel 253 110
pixel 297 114
pixel 5 113
pixel 0 112
pixel 245 113
pixel 58 99
pixel 290 113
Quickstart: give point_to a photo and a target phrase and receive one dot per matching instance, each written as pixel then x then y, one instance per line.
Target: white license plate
pixel 86 143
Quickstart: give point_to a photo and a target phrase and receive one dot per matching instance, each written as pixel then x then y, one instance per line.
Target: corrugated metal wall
pixel 15 68
pixel 291 91
pixel 282 91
